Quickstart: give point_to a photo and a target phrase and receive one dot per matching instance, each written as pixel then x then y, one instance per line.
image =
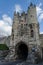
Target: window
pixel 21 30
pixel 31 15
pixel 26 24
pixel 30 25
pixel 21 25
pixel 32 33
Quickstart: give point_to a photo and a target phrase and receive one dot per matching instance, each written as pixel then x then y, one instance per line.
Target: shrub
pixel 3 47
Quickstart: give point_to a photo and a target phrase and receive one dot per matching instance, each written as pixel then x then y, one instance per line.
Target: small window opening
pixel 32 33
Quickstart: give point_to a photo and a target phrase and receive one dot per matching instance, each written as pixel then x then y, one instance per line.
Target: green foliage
pixel 3 47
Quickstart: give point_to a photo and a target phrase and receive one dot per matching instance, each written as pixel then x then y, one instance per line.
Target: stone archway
pixel 21 50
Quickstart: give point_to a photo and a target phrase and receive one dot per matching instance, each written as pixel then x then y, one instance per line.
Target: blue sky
pixel 7 8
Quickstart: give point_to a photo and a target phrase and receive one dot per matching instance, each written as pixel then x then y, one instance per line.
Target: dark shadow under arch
pixel 21 50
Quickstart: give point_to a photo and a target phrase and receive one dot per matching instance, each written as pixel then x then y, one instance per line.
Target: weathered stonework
pixel 25 36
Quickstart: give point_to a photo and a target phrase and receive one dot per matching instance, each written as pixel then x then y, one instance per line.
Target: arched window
pixel 30 25
pixel 32 33
pixel 12 34
pixel 21 30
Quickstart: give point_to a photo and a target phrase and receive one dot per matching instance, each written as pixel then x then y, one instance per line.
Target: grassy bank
pixel 3 47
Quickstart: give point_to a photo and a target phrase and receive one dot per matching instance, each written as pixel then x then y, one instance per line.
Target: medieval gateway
pixel 25 38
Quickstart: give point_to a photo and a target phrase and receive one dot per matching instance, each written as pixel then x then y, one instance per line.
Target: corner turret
pixel 32 16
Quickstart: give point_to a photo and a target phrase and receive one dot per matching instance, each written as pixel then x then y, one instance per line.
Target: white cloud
pixel 39 12
pixel 41 16
pixel 18 8
pixel 5 25
pixel 41 32
pixel 1 23
pixel 40 4
pixel 7 19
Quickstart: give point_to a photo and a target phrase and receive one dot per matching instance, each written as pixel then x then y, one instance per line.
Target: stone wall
pixel 41 40
pixel 5 40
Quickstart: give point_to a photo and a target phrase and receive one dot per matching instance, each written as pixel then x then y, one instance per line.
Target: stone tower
pixel 25 33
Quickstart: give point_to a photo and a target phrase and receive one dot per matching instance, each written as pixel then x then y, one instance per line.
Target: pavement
pixel 18 63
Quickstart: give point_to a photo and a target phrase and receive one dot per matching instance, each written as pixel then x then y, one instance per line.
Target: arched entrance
pixel 21 50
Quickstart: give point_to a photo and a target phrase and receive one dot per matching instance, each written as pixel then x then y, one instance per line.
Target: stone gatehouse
pixel 25 35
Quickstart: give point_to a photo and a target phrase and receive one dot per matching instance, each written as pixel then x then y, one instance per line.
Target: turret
pixel 32 17
pixel 16 16
pixel 33 23
pixel 15 25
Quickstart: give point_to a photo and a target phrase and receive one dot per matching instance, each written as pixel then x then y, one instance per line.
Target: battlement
pixel 33 5
pixel 24 13
pixel 20 14
pixel 16 14
pixel 29 16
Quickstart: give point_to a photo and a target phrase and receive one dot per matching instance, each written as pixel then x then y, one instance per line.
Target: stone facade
pixel 41 39
pixel 25 27
pixel 25 36
pixel 25 31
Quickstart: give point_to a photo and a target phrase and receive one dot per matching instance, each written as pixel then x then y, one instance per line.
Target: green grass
pixel 3 47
